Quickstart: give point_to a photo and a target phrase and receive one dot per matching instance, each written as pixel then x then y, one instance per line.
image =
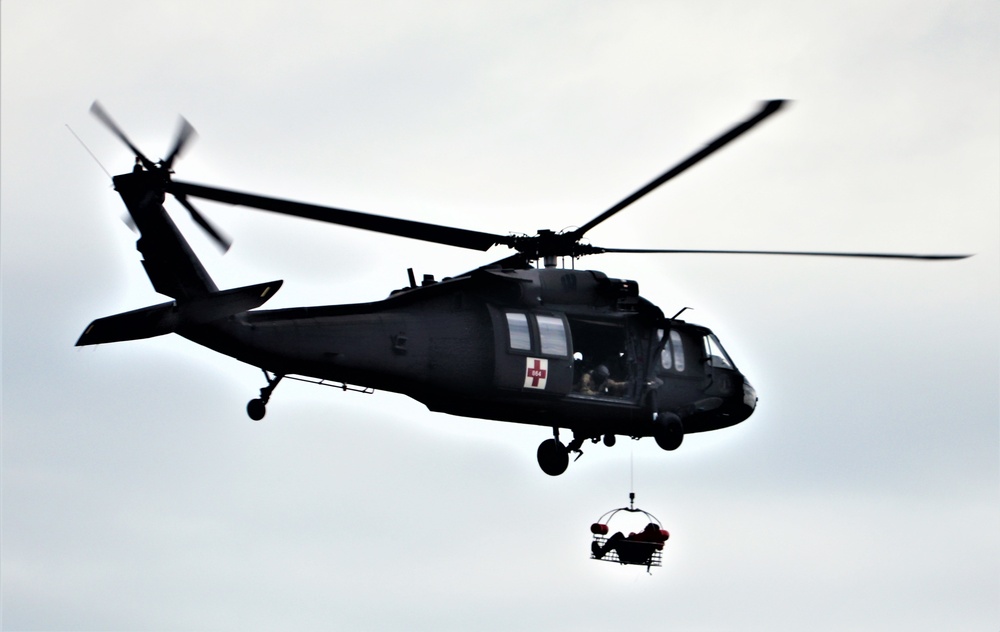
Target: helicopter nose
pixel 749 395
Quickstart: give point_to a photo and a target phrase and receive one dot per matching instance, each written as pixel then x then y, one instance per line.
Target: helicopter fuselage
pixel 561 348
pixel 509 345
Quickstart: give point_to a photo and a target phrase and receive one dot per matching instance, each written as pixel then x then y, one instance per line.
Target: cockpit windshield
pixel 716 355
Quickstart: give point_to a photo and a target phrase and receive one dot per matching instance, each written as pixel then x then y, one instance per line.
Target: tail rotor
pixel 185 133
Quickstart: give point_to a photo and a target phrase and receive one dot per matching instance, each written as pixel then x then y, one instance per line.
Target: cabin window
pixel 677 348
pixel 552 332
pixel 717 356
pixel 672 355
pixel 520 334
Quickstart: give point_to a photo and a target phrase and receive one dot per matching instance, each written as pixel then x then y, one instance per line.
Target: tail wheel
pixel 256 409
pixel 553 457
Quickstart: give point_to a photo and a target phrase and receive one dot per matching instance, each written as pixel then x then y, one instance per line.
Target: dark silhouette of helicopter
pixel 509 341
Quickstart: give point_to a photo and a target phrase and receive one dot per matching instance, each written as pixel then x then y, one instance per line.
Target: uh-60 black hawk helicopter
pixel 510 341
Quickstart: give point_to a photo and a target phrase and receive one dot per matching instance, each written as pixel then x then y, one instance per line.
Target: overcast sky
pixel 861 495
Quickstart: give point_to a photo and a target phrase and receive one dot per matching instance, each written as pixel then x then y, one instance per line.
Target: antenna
pixel 106 172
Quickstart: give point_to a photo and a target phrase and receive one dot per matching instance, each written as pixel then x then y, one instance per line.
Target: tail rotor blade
pixel 128 221
pixel 105 118
pixel 184 134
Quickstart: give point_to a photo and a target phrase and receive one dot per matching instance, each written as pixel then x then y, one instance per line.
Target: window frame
pixel 716 355
pixel 539 338
pixel 521 318
pixel 558 333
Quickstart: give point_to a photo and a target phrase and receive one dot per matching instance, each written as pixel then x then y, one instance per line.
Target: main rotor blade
pixel 871 255
pixel 435 233
pixel 223 241
pixel 767 109
pixel 184 134
pixel 105 118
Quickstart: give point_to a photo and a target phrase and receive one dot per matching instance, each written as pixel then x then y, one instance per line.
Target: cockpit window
pixel 672 355
pixel 552 331
pixel 520 334
pixel 716 355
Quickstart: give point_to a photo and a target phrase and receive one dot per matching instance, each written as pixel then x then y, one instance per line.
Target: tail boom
pixel 167 318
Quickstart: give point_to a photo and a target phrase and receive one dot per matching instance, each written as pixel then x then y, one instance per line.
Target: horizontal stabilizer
pixel 141 323
pixel 166 318
pixel 209 307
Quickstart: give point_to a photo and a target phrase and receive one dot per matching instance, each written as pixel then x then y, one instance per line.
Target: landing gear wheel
pixel 669 432
pixel 609 439
pixel 553 457
pixel 256 409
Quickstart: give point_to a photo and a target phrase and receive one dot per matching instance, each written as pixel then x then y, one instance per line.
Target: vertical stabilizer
pixel 171 265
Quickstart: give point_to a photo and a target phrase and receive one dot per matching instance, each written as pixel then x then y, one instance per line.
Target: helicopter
pixel 520 339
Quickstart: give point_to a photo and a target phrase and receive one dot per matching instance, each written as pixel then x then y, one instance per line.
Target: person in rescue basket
pixel 637 548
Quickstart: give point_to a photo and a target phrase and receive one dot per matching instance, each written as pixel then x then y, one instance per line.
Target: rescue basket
pixel 642 549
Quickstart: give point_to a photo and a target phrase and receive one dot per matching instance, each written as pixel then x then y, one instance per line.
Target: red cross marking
pixel 536 373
